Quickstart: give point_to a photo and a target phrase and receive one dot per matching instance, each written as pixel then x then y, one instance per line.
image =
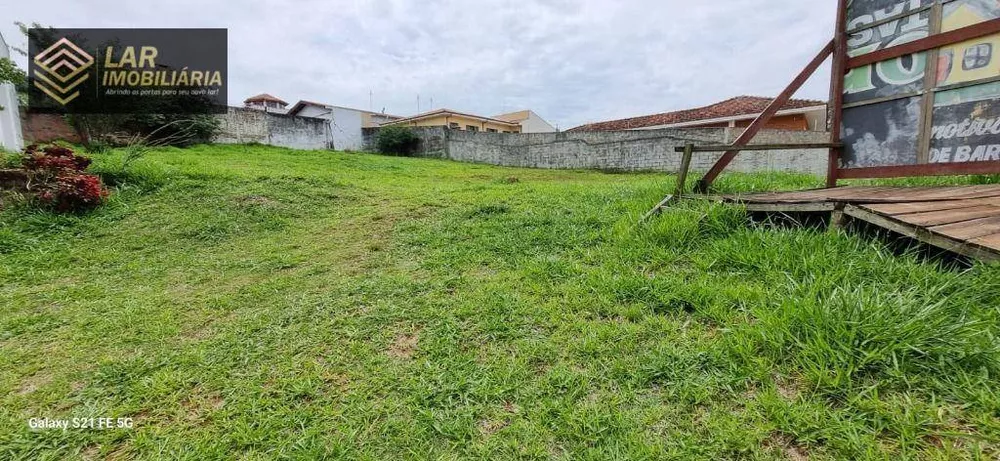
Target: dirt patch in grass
pixel 404 346
pixel 491 425
pixel 33 383
pixel 258 200
pixel 788 388
pixel 200 403
pixel 788 447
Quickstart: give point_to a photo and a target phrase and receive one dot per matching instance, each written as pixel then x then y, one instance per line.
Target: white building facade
pixel 345 123
pixel 530 121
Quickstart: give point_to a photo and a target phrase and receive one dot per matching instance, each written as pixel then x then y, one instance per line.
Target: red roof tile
pixel 740 105
pixel 262 98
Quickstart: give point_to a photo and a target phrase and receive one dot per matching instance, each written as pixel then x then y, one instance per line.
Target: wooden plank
pixel 748 134
pixel 930 81
pixel 685 166
pixel 863 194
pixel 981 29
pixel 954 192
pixel 981 191
pixel 896 17
pixel 989 241
pixel 790 207
pixel 817 194
pixel 657 209
pixel 974 251
pixel 926 169
pixel 762 147
pixel 937 218
pixel 969 229
pixel 874 194
pixel 894 209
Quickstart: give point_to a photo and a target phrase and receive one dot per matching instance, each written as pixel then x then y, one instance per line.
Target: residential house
pixel 530 122
pixel 345 123
pixel 738 112
pixel 459 121
pixel 10 121
pixel 266 103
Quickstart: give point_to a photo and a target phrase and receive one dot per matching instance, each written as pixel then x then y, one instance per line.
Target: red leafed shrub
pixel 56 175
pixel 53 160
pixel 75 192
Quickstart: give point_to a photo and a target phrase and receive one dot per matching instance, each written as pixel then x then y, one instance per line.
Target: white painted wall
pixel 535 124
pixel 345 125
pixel 346 129
pixel 10 120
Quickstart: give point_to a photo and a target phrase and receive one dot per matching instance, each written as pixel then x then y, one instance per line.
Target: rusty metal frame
pixel 835 105
pixel 931 43
pixel 751 131
pixel 841 65
pixel 951 37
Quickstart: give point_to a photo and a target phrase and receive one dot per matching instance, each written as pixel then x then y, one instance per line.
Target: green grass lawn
pixel 262 303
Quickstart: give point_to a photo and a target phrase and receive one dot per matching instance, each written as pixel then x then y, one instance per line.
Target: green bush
pixel 397 140
pixel 9 159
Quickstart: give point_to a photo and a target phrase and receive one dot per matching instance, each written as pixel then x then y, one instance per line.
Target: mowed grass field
pixel 259 303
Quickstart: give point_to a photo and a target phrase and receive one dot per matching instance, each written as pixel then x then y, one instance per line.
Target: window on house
pixel 505 131
pixel 454 126
pixel 491 130
pixel 977 56
pixel 471 128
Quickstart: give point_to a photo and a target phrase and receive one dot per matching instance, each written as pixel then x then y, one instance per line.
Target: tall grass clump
pixel 687 225
pixel 858 333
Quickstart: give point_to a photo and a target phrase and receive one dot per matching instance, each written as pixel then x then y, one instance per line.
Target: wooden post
pixel 683 172
pixel 678 188
pixel 837 92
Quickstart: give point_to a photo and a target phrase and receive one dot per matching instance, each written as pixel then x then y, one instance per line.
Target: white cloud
pixel 570 61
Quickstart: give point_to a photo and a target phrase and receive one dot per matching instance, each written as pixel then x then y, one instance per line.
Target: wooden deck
pixel 962 219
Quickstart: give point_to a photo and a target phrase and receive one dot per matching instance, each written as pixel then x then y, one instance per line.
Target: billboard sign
pixel 937 102
pixel 107 71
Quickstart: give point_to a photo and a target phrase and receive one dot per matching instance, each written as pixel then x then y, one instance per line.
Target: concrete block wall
pixel 240 126
pixel 647 150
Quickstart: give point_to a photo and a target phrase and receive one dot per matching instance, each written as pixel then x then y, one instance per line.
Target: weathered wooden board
pixel 962 219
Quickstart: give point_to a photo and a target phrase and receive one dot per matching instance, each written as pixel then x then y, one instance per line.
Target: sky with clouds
pixel 571 61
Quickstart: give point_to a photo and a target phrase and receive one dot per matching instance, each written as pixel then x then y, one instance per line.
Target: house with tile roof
pixel 266 103
pixel 738 112
pixel 456 120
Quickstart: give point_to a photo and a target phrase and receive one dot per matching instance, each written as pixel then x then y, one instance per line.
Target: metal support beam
pixel 762 119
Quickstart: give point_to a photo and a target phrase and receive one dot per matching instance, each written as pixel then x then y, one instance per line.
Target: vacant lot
pixel 263 303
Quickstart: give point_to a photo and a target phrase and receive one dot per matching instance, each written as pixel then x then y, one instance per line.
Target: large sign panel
pixel 966 125
pixel 881 134
pixel 895 113
pixel 871 32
